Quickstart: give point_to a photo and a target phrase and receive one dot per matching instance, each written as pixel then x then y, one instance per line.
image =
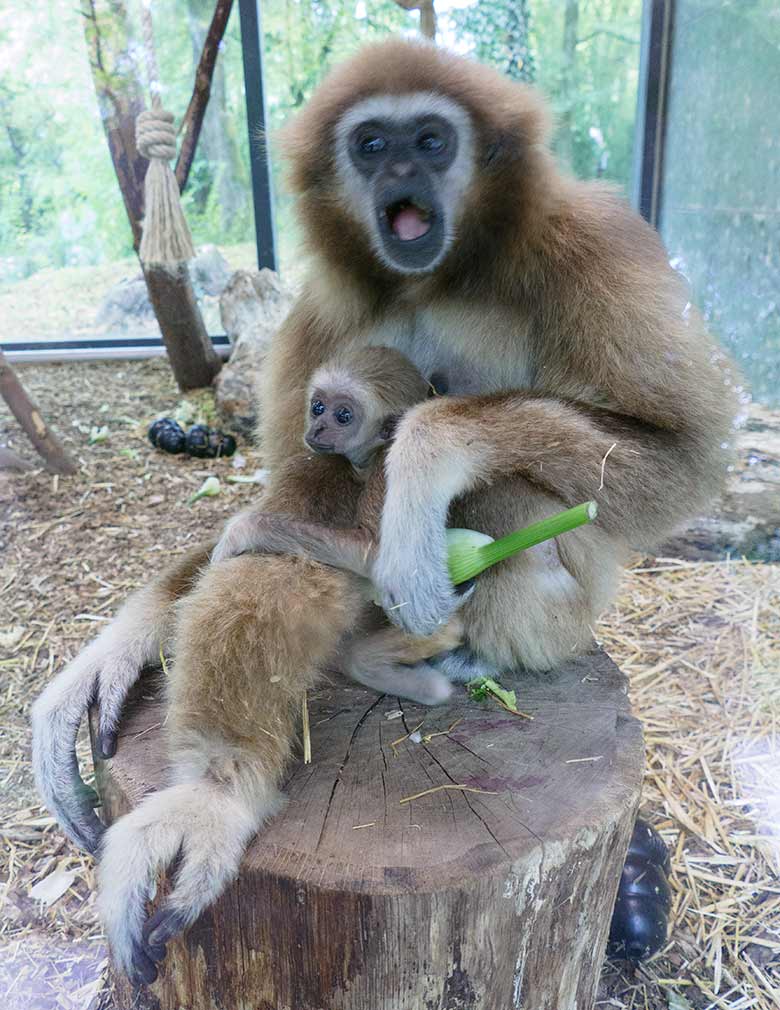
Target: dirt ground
pixel 699 642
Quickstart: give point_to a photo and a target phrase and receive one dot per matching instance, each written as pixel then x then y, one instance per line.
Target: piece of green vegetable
pixel 98 435
pixel 470 552
pixel 208 489
pixel 481 687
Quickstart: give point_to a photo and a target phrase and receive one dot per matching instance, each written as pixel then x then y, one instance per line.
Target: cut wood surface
pixel 492 897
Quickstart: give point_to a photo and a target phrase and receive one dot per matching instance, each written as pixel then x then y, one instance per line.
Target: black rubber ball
pixel 167 435
pixel 647 844
pixel 208 443
pixel 640 918
pixel 227 444
pixel 198 443
pixel 638 928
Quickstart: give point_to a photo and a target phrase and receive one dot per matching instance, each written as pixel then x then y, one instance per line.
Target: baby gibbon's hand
pixel 241 534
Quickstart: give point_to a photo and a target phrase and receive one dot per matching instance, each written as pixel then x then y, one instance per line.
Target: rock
pixel 252 307
pixel 127 303
pixel 746 522
pixel 210 271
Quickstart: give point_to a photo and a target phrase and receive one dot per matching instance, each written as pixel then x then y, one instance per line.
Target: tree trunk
pixel 120 99
pixel 428 20
pixel 427 15
pixel 492 889
pixel 190 351
pixel 29 417
pixel 217 141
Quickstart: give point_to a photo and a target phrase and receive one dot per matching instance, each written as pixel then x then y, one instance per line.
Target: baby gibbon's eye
pixel 372 144
pixel 431 143
pixel 343 415
pixel 317 408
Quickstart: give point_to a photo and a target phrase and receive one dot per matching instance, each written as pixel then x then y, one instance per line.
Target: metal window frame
pixel 655 66
pixel 256 120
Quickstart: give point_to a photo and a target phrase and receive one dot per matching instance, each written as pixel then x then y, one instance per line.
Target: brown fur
pixel 557 310
pixel 384 384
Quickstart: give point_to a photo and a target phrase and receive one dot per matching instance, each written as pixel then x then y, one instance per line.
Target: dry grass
pixel 701 644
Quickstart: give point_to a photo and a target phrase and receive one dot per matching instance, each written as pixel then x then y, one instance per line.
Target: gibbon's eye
pixel 343 415
pixel 372 143
pixel 431 143
pixel 317 408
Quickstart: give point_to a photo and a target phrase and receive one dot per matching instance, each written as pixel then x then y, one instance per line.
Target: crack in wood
pixel 340 772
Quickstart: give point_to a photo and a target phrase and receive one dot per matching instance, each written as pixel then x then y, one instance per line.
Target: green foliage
pixel 500 32
pixel 53 157
pixel 592 83
pixel 59 201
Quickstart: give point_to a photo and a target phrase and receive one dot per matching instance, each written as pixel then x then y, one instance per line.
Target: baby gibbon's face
pixel 338 424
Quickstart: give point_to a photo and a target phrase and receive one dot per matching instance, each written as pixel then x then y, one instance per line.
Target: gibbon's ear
pixel 388 429
pixel 497 150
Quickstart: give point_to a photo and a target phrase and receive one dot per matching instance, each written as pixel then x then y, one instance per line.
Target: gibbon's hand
pixel 241 533
pixel 104 672
pixel 410 571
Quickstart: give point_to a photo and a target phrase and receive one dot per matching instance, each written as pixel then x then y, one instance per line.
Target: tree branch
pixel 427 15
pixel 196 110
pixel 608 31
pixel 29 417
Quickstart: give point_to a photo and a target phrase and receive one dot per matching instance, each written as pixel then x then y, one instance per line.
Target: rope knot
pixel 155 136
pixel 165 238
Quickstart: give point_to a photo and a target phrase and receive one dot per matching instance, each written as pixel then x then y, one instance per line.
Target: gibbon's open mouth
pixel 408 220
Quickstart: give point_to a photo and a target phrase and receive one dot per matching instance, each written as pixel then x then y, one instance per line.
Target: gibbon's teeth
pixel 408 221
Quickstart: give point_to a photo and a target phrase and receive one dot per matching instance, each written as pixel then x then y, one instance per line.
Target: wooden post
pixel 494 897
pixel 110 45
pixel 29 417
pixel 190 351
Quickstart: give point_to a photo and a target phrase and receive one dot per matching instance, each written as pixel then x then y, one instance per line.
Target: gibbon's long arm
pixel 446 448
pixel 271 533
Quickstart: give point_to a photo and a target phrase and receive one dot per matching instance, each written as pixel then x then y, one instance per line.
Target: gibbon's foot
pixel 462 665
pixel 202 826
pixel 420 682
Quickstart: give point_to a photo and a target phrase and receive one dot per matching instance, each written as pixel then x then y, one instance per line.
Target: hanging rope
pixel 165 238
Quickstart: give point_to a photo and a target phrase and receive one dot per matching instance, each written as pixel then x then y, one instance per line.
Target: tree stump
pixel 496 896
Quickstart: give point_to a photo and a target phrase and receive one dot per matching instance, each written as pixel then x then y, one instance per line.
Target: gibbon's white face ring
pixel 404 165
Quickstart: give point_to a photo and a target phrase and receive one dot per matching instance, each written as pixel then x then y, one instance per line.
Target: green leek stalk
pixel 469 552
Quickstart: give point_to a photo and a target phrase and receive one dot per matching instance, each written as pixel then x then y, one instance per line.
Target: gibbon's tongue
pixel 409 223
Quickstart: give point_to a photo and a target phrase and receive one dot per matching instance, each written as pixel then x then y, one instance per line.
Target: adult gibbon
pixel 438 224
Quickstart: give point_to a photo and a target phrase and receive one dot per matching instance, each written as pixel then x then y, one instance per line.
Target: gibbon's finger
pixel 144 970
pixel 413 583
pixel 163 926
pixel 117 675
pixel 56 717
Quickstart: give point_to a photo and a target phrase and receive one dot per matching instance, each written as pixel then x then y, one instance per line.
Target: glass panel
pixel 720 213
pixel 584 54
pixel 67 266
